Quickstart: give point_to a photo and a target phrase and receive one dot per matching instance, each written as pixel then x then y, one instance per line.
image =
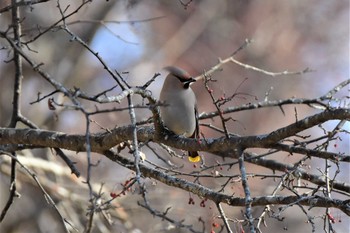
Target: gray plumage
pixel 180 112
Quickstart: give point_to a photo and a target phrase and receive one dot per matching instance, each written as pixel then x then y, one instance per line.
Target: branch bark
pixel 102 141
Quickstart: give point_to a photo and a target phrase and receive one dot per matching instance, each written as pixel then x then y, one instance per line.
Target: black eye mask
pixel 186 82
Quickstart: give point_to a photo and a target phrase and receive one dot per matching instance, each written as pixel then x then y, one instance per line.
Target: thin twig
pixel 46 195
pixel 231 58
pixel 224 218
pixel 248 199
pixel 136 151
pixel 22 3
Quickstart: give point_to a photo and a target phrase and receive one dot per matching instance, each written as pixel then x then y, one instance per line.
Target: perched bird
pixel 179 113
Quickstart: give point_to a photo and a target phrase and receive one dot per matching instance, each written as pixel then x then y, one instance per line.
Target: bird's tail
pixel 193 156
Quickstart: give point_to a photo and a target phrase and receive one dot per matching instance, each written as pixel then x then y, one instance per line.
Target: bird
pixel 179 110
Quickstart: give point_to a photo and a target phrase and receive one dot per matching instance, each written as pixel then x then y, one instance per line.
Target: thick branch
pixel 298 172
pixel 103 141
pixel 306 123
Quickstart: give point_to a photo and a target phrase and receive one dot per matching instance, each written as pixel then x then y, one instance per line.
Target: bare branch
pixel 47 196
pixel 248 67
pixel 223 217
pixel 103 141
pixel 248 199
pixel 312 201
pixel 22 3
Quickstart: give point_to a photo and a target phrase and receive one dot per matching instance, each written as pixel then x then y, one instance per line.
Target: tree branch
pixel 201 191
pixel 103 141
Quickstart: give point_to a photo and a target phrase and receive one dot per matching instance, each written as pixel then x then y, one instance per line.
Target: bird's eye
pixel 186 85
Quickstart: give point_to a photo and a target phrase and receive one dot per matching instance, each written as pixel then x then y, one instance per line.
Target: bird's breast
pixel 178 114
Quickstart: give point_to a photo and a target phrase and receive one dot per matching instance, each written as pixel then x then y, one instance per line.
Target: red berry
pixel 215 224
pixel 113 195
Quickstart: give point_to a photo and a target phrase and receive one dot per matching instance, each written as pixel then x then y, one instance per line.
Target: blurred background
pixel 139 38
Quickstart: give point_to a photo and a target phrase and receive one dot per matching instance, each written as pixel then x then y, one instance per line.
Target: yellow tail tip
pixel 194 159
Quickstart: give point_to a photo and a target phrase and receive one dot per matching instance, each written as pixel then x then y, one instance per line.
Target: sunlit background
pixel 139 38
